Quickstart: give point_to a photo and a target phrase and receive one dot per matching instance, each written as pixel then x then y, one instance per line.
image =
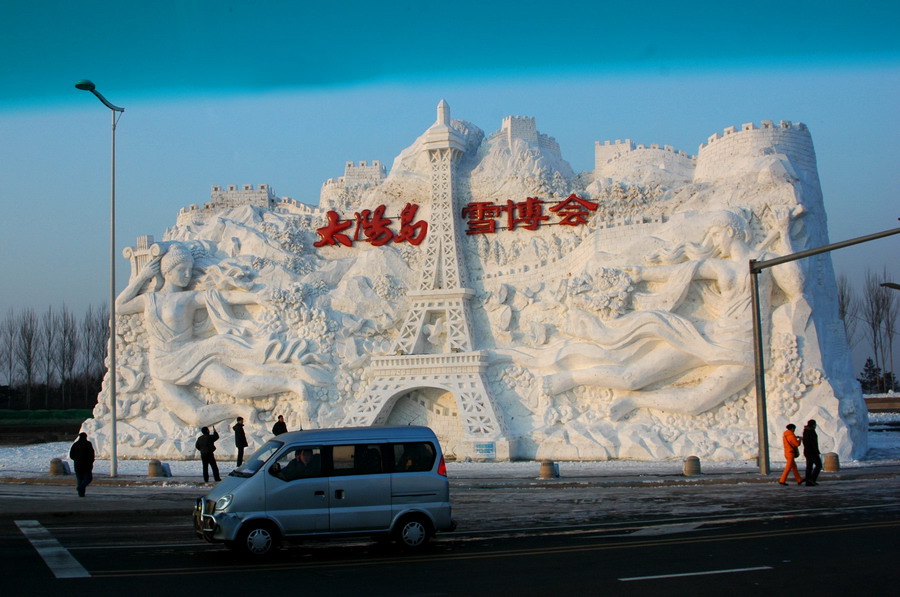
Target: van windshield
pixel 258 459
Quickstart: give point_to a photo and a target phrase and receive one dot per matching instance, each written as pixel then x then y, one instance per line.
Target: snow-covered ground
pixel 884 446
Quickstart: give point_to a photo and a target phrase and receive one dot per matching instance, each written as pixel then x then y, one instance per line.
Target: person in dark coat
pixel 811 452
pixel 280 427
pixel 240 439
pixel 82 454
pixel 206 445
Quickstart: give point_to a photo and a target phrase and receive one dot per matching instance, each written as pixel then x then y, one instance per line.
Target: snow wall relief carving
pixel 483 288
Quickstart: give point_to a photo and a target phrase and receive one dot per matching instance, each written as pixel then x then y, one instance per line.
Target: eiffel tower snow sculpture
pixel 441 303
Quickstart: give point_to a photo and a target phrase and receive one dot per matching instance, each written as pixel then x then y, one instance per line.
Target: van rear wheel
pixel 256 539
pixel 412 532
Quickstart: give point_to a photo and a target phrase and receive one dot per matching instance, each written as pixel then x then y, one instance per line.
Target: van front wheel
pixel 256 539
pixel 412 532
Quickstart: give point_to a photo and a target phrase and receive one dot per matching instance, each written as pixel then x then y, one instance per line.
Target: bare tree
pixel 101 347
pixel 10 340
pixel 67 351
pixel 891 308
pixel 26 350
pixel 848 309
pixel 874 312
pixel 48 336
pixel 8 332
pixel 94 344
pixel 4 354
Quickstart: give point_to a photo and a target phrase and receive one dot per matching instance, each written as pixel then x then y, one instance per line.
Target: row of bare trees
pixel 872 316
pixel 53 359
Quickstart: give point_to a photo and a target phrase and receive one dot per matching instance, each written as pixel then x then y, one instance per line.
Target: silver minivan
pixel 328 483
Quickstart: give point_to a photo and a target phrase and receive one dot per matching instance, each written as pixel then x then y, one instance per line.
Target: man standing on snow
pixel 82 454
pixel 811 452
pixel 206 445
pixel 240 439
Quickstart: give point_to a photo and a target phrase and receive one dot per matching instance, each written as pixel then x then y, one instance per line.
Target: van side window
pixel 298 463
pixel 414 457
pixel 356 459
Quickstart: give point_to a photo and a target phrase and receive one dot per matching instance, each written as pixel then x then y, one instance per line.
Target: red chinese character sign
pixel 375 228
pixel 411 232
pixel 481 216
pixel 574 210
pixel 332 234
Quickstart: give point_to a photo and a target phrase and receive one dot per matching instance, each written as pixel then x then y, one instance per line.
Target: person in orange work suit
pixel 791 452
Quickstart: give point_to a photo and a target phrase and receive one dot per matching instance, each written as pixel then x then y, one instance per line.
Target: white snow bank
pixel 884 445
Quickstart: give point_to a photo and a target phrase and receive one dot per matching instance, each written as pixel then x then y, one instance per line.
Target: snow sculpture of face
pixel 176 266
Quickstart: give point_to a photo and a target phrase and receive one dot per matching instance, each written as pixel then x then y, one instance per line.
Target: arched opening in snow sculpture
pixel 432 407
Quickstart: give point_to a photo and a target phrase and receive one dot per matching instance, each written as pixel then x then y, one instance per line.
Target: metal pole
pixel 113 463
pixel 761 265
pixel 86 85
pixel 759 366
pixel 755 268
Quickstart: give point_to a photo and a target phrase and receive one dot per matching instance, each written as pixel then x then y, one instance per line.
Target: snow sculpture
pixel 438 322
pixel 643 353
pixel 483 288
pixel 236 359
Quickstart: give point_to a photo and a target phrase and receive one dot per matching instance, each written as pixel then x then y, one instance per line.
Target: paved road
pixel 519 536
pixel 846 548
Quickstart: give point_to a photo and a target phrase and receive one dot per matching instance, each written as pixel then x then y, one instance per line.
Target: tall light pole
pixel 755 268
pixel 89 86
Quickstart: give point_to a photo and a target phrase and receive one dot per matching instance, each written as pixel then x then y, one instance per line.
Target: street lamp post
pixel 755 268
pixel 89 86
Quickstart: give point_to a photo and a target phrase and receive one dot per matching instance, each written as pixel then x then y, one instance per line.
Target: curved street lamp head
pixel 86 85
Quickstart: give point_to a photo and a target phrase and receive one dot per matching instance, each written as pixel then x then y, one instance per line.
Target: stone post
pixel 691 466
pixel 58 467
pixel 155 469
pixel 548 470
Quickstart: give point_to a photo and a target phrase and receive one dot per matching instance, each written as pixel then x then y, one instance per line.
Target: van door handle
pixel 319 493
pixel 338 494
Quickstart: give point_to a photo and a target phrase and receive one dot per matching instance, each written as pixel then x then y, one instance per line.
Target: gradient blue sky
pixel 283 92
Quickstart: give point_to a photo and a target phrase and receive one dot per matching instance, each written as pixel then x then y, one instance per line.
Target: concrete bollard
pixel 155 469
pixel 691 466
pixel 58 467
pixel 549 470
pixel 831 463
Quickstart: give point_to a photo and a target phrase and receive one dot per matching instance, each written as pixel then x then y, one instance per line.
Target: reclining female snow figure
pixel 653 359
pixel 234 360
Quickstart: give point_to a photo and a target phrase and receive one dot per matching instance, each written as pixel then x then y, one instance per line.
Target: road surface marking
pixel 665 529
pixel 57 557
pixel 704 573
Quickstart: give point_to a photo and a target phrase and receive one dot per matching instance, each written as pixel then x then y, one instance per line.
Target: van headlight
pixel 223 502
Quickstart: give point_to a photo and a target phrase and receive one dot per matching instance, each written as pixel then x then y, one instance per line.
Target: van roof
pixel 387 432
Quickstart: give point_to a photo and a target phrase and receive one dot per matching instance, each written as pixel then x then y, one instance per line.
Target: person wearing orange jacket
pixel 791 452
